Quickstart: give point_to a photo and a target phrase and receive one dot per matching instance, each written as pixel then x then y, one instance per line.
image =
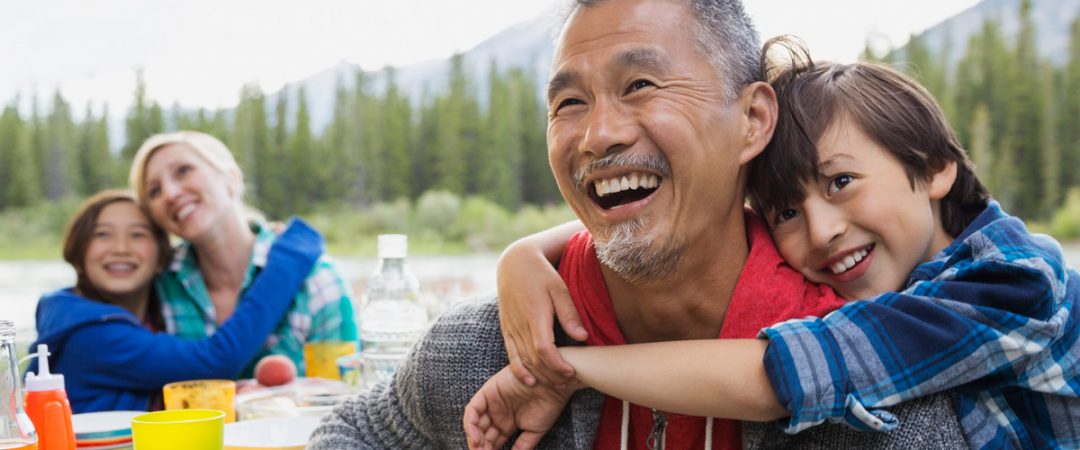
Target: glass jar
pixel 16 430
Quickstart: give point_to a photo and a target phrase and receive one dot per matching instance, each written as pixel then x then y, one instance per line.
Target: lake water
pixel 444 280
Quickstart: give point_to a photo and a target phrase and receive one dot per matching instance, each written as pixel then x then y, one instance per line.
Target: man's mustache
pixel 657 163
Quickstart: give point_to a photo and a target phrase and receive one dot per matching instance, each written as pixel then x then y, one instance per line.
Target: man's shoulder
pixel 470 323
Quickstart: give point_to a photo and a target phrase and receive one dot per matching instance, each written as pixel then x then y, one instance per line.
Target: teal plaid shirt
pixel 321 311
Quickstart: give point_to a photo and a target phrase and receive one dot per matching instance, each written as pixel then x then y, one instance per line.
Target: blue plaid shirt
pixel 992 318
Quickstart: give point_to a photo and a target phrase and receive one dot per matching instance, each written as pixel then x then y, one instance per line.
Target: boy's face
pixel 862 227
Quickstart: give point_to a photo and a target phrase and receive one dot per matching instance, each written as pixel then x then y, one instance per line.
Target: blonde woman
pixel 191 186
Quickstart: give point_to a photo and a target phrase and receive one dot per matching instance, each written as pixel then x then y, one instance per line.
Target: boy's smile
pixel 863 225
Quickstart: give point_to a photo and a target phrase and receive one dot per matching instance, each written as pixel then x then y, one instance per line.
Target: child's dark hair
pixel 80 232
pixel 892 109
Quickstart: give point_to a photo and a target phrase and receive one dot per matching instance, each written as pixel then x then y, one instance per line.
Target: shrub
pixel 1065 224
pixel 436 210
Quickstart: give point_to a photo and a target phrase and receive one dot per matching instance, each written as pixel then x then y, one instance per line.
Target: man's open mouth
pixel 624 189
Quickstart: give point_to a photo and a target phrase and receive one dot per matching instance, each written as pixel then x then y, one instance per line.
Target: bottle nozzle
pixel 43 359
pixel 44 380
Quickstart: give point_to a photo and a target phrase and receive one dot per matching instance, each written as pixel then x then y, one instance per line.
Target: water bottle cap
pixel 43 381
pixel 393 245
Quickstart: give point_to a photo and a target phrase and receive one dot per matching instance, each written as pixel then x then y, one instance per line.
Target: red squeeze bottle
pixel 48 407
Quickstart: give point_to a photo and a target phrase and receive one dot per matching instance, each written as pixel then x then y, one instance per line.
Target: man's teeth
pixel 848 262
pixel 626 183
pixel 180 215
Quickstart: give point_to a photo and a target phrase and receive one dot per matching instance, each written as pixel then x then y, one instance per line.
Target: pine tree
pixel 60 176
pixel 272 179
pixel 1027 114
pixel 979 150
pixel 1068 131
pixel 456 131
pixel 498 169
pixel 538 183
pixel 144 119
pixel 302 159
pixel 251 138
pixel 368 170
pixel 18 182
pixel 338 139
pixel 397 138
pixel 94 161
pixel 424 150
pixel 37 131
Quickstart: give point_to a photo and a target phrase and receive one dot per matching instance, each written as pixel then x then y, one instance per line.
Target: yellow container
pixel 202 394
pixel 186 429
pixel 320 358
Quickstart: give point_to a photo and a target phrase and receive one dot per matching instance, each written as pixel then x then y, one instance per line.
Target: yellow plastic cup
pixel 202 394
pixel 320 358
pixel 184 429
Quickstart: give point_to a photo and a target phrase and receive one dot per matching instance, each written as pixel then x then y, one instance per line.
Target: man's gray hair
pixel 725 34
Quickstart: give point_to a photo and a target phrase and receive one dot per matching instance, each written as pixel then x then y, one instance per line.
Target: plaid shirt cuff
pixel 808 373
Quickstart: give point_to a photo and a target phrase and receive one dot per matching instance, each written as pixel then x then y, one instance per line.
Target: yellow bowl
pixel 202 394
pixel 182 429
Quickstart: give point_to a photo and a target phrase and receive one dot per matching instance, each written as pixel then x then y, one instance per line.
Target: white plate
pixel 279 433
pixel 125 445
pixel 102 425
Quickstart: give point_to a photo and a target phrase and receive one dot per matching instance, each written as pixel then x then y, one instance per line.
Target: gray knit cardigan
pixel 422 408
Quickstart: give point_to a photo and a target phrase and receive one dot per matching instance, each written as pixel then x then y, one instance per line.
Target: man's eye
pixel 839 182
pixel 638 85
pixel 568 102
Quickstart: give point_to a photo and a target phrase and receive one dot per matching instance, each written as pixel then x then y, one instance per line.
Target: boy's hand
pixel 530 293
pixel 503 405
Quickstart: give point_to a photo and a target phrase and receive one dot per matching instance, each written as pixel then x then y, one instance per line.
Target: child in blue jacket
pixel 105 334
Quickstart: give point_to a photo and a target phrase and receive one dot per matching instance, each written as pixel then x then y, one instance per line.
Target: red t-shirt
pixel 767 291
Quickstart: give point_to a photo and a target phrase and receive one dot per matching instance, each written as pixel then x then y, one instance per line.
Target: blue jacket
pixel 111 362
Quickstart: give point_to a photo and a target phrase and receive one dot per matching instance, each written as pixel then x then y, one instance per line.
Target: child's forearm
pixel 721 378
pixel 550 242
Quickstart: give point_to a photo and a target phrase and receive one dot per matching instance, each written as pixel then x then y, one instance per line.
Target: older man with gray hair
pixel 669 92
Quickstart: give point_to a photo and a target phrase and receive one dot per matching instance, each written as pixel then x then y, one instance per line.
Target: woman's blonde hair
pixel 206 146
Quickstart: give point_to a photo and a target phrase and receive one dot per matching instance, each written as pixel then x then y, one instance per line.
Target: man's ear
pixel 942 181
pixel 758 101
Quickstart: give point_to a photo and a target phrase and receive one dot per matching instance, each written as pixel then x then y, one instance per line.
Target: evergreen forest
pixel 471 167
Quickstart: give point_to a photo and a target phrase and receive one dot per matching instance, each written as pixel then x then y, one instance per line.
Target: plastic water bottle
pixel 16 430
pixel 393 318
pixel 48 407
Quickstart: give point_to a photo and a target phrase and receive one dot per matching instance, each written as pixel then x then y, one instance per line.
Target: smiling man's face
pixel 643 142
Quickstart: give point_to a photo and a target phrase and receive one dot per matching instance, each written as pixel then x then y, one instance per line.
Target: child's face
pixel 122 256
pixel 862 227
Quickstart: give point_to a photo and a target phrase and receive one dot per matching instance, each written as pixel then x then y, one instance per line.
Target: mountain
pixel 528 45
pixel 1052 21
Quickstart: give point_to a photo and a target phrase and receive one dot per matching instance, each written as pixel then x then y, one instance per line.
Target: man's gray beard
pixel 633 256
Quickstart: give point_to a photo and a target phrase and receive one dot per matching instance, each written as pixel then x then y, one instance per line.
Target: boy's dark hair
pixel 892 109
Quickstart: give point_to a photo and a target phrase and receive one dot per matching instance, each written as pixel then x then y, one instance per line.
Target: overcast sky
pixel 199 52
